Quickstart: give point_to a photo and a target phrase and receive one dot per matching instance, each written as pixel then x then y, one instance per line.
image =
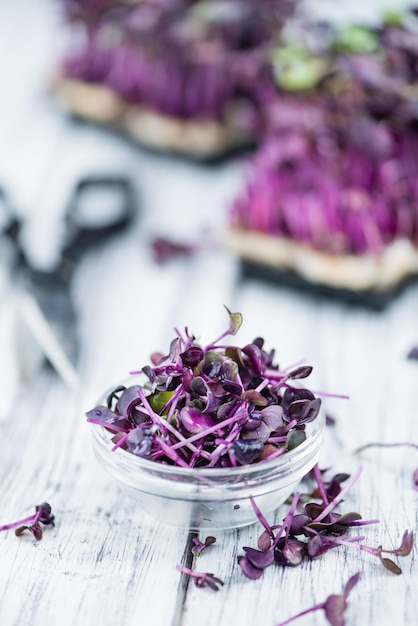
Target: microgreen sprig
pixel 202 579
pixel 32 523
pixel 334 606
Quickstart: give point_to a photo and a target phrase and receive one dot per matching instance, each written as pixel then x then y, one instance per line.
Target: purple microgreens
pixel 201 579
pixel 314 531
pixel 32 523
pixel 272 547
pixel 334 606
pixel 217 406
pixel 404 549
pixel 199 546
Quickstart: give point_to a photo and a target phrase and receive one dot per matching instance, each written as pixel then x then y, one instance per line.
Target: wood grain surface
pixel 106 562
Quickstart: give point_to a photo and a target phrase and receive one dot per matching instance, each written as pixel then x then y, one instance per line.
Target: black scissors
pixel 45 302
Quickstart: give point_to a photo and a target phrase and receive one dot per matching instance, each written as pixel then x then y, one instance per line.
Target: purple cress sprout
pixel 202 579
pixel 334 606
pixel 336 169
pixel 32 523
pixel 199 546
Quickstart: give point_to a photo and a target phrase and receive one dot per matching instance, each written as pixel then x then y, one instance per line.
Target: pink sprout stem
pixel 339 497
pixel 287 519
pixel 320 483
pixel 316 607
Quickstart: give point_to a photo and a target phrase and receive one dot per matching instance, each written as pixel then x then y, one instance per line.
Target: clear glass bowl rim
pixel 135 463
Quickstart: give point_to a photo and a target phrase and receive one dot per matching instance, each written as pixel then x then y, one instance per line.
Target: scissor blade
pixel 48 313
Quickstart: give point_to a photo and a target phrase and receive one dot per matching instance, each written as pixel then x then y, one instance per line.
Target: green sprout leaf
pixel 235 322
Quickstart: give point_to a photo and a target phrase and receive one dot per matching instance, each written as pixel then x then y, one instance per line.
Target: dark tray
pixel 376 300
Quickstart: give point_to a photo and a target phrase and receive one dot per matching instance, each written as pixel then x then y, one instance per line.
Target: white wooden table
pixel 105 562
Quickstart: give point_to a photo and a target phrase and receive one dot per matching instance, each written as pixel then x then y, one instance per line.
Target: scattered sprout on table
pixel 199 546
pixel 32 523
pixel 334 606
pixel 202 579
pixel 308 531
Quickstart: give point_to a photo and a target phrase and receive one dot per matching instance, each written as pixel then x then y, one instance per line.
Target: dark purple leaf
pixel 254 355
pixel 192 356
pixel 259 558
pixel 231 387
pixel 103 414
pixel 45 514
pixel 272 416
pixel 289 553
pixel 127 403
pixel 194 421
pixel 264 540
pixel 310 412
pixel 342 520
pixel 319 545
pixel 298 522
pixel 301 372
pixel 291 395
pixel 407 543
pixel 247 451
pixel 248 568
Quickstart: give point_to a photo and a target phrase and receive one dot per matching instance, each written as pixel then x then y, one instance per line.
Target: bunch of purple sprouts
pixel 213 406
pixel 184 59
pixel 337 170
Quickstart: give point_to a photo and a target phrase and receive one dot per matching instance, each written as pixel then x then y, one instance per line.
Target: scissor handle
pixel 82 235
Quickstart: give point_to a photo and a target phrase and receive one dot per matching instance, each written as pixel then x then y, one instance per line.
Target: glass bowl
pixel 209 498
